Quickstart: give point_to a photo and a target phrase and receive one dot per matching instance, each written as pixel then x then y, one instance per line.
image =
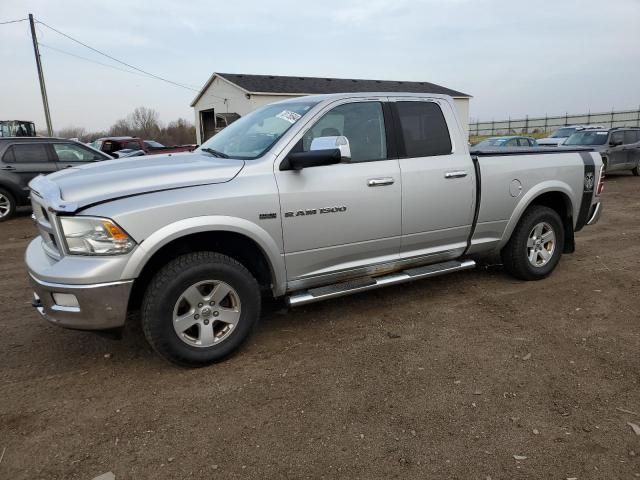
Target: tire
pixel 7 205
pixel 636 170
pixel 171 303
pixel 520 257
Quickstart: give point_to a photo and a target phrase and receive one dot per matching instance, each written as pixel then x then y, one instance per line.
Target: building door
pixel 207 124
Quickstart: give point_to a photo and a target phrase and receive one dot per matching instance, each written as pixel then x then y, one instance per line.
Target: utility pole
pixel 43 89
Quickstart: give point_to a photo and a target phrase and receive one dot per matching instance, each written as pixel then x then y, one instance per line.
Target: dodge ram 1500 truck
pixel 307 199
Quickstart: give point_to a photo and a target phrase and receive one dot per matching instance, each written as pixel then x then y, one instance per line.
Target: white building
pixel 226 96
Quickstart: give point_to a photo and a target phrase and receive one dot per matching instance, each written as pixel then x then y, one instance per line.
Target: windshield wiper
pixel 215 153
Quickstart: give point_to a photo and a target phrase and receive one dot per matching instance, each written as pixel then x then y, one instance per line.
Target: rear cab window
pixel 423 129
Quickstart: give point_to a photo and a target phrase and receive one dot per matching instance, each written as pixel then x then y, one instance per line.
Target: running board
pixel 369 283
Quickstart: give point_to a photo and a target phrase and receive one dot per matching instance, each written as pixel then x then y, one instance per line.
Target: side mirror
pixel 312 158
pixel 340 142
pixel 613 143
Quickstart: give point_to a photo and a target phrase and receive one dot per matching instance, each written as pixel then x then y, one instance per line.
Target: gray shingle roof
pixel 275 84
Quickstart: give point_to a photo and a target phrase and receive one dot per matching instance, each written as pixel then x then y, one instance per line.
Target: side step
pixel 368 283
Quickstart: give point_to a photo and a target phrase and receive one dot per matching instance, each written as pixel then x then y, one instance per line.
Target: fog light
pixel 66 300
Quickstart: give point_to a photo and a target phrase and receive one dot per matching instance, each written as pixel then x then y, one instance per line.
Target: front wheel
pixel 636 169
pixel 200 308
pixel 536 244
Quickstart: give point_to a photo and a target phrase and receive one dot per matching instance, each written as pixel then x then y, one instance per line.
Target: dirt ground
pixel 444 378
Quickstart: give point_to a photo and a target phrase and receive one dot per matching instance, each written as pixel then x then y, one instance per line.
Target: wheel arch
pixel 15 191
pixel 555 195
pixel 249 244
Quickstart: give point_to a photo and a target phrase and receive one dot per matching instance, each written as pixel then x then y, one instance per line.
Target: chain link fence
pixel 620 118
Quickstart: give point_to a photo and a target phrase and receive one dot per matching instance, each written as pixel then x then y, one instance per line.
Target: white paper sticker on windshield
pixel 601 133
pixel 289 116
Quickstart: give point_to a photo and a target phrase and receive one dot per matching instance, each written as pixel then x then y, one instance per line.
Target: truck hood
pixel 89 184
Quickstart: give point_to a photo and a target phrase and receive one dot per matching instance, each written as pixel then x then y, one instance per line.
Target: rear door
pixel 438 180
pixel 340 219
pixel 26 160
pixel 68 154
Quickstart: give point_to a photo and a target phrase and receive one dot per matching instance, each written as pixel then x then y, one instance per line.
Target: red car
pixel 111 145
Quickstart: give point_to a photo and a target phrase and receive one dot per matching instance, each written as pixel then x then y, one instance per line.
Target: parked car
pixel 559 136
pixel 111 145
pixel 506 142
pixel 619 147
pixel 307 199
pixel 23 158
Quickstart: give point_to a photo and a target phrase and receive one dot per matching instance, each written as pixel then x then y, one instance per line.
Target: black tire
pixel 7 198
pixel 636 170
pixel 170 283
pixel 515 253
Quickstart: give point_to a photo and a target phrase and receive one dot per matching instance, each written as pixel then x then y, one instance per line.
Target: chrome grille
pixel 47 227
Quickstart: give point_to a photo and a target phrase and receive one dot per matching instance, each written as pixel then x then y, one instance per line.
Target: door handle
pixel 8 168
pixel 456 174
pixel 380 182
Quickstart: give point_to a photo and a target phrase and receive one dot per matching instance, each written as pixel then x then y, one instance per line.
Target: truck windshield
pixel 254 134
pixel 587 138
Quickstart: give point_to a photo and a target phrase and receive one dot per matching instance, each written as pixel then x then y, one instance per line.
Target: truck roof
pixel 339 96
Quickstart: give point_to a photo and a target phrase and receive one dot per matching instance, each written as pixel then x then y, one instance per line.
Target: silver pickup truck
pixel 307 199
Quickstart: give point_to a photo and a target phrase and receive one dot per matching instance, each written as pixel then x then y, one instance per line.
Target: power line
pixel 90 60
pixel 14 21
pixel 118 61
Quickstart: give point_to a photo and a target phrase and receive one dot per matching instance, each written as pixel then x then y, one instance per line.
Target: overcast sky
pixel 514 57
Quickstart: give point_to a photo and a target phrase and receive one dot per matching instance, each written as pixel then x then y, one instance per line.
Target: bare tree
pixel 122 127
pixel 145 122
pixel 71 132
pixel 178 132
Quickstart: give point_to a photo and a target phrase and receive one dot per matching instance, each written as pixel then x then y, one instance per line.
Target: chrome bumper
pixel 595 214
pixel 100 306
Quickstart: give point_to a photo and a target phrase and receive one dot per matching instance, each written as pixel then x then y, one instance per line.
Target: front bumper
pixel 100 306
pixel 100 299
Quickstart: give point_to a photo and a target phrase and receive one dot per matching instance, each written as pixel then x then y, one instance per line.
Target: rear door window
pixel 132 145
pixel 631 136
pixel 27 153
pixel 423 129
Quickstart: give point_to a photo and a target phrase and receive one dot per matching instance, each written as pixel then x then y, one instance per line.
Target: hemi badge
pixel 267 216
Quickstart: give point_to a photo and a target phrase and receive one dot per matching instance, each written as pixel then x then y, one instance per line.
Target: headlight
pixel 94 236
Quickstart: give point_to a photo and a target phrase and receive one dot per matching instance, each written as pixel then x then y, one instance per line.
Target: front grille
pixel 47 227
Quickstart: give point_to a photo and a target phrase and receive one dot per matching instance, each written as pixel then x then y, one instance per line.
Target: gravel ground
pixel 451 378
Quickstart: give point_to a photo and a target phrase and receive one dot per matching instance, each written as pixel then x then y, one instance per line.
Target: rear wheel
pixel 636 170
pixel 7 205
pixel 536 244
pixel 200 308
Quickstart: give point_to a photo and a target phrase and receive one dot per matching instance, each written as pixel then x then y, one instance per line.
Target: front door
pixel 339 219
pixel 438 180
pixel 617 154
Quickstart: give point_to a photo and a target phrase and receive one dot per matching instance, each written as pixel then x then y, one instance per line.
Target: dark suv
pixel 23 158
pixel 619 147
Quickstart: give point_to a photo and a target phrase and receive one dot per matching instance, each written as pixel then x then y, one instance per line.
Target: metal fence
pixel 620 118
